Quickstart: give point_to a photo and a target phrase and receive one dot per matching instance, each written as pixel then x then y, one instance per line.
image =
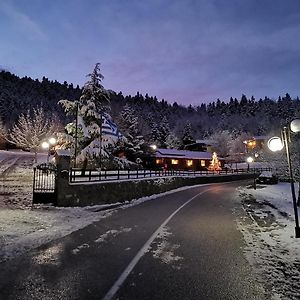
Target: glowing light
pixel 154 147
pixel 249 159
pixel 52 141
pixel 295 125
pixel 45 145
pixel 275 144
pixel 189 163
pixel 174 161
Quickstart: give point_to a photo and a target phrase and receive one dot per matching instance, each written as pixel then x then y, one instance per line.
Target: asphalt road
pixel 181 246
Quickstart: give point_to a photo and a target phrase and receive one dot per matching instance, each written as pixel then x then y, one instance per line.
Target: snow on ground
pixel 163 250
pixel 266 222
pixel 269 231
pixel 23 226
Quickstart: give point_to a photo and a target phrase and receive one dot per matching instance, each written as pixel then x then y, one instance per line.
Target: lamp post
pixel 276 144
pixel 249 160
pixel 47 146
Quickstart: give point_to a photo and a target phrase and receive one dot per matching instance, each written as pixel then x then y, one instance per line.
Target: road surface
pixel 184 245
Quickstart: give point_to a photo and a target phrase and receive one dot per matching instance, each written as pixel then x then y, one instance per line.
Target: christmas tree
pixel 214 163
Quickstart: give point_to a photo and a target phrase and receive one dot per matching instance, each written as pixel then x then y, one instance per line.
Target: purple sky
pixel 189 51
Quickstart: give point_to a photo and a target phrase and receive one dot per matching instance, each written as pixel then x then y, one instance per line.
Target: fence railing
pixel 78 175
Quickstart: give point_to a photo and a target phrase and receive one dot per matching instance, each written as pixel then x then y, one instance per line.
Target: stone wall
pixel 78 194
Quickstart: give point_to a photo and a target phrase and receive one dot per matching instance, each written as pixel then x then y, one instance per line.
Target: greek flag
pixel 109 127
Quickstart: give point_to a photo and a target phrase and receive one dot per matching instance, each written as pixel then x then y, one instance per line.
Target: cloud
pixel 23 21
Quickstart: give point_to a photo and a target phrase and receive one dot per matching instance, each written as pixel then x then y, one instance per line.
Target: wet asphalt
pixel 197 254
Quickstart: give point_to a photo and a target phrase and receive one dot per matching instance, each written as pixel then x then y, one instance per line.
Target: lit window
pixel 159 161
pixel 202 163
pixel 174 161
pixel 189 163
pixel 251 144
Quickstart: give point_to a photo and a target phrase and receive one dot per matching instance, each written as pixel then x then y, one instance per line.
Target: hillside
pixel 257 117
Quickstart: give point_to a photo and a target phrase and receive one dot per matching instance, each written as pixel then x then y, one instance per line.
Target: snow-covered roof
pixel 174 153
pixel 62 152
pixel 206 142
pixel 261 137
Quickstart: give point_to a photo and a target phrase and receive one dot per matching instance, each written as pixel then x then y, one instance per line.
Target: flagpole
pixel 100 162
pixel 76 133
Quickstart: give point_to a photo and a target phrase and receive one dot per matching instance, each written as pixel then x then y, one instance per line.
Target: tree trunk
pixel 35 156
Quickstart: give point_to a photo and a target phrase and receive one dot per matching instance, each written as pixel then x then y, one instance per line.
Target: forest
pixel 248 115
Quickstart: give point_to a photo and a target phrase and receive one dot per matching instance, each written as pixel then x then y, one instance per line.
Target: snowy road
pixel 185 245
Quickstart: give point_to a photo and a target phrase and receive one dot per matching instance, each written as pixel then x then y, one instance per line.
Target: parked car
pixel 267 177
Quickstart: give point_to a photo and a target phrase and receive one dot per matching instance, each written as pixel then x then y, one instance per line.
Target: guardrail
pixel 89 175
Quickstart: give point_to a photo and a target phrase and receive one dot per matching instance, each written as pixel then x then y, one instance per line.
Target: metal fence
pixel 44 180
pixel 78 175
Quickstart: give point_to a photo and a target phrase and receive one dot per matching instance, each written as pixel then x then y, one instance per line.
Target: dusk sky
pixel 180 50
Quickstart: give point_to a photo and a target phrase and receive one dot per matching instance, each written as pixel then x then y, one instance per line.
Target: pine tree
pixel 128 122
pixel 187 137
pixel 92 114
pixel 31 130
pixel 154 134
pixel 164 132
pixel 94 97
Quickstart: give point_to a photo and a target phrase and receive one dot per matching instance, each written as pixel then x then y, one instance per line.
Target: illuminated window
pixel 251 144
pixel 189 162
pixel 202 163
pixel 174 161
pixel 159 161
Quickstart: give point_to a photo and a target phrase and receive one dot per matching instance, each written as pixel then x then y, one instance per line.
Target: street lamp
pixel 276 144
pixel 249 160
pixel 47 146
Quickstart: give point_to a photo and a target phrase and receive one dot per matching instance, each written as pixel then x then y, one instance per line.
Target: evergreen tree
pixel 164 132
pixel 128 122
pixel 154 134
pixel 91 110
pixel 173 142
pixel 187 137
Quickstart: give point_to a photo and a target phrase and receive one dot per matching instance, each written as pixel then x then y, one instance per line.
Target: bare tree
pixel 2 134
pixel 31 130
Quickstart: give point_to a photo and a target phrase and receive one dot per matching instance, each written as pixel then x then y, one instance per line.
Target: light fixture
pixel 45 145
pixel 249 159
pixel 275 144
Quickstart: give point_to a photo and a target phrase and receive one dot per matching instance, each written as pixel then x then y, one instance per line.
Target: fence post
pixel 62 178
pixel 71 174
pixel 128 174
pixel 118 174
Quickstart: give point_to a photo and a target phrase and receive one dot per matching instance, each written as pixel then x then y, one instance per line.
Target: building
pixel 172 159
pixel 255 143
pixel 200 145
